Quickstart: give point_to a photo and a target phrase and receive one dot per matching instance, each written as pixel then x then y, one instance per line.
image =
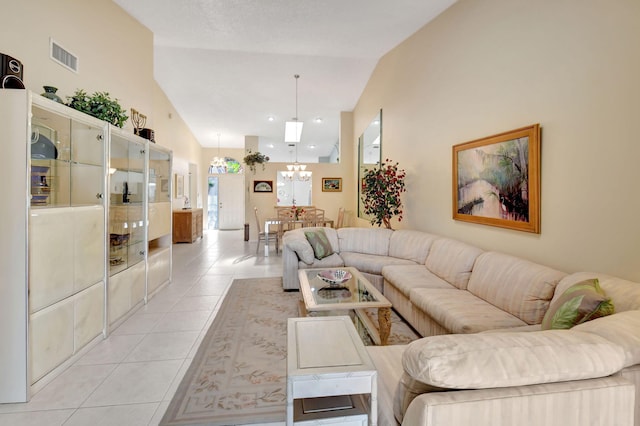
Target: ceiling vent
pixel 62 56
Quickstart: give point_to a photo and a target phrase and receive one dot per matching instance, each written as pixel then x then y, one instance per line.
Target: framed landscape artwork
pixel 262 186
pixel 331 184
pixel 496 180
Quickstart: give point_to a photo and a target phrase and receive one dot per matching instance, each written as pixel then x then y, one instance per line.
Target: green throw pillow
pixel 320 243
pixel 580 303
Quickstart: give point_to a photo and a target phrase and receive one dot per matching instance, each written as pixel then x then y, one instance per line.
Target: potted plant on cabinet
pixel 99 105
pixel 381 190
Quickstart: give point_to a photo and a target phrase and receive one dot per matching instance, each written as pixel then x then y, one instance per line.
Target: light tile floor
pixel 129 378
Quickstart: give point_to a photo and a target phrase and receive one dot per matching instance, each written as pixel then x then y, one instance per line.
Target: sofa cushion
pixel 365 240
pixel 333 261
pixel 371 263
pixel 411 245
pixel 319 243
pixel 452 261
pixel 300 245
pixel 624 294
pixel 579 303
pixel 515 285
pixel 622 328
pixel 490 360
pixel 407 277
pixel 459 311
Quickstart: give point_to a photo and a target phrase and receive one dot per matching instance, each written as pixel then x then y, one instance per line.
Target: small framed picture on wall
pixel 331 184
pixel 179 185
pixel 262 186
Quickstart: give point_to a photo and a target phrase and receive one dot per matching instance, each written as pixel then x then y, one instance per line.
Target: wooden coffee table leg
pixel 384 324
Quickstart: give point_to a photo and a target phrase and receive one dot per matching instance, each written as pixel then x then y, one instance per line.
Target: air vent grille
pixel 64 57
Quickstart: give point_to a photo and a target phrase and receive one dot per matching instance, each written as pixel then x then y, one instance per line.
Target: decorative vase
pixel 50 93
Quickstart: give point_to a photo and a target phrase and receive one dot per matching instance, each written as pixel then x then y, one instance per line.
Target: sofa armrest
pixel 290 280
pixel 607 400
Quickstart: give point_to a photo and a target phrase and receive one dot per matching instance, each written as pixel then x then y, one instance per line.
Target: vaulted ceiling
pixel 228 66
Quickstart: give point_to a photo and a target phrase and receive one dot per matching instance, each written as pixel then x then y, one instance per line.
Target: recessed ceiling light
pixel 270 145
pixel 271 118
pixel 318 120
pixel 312 147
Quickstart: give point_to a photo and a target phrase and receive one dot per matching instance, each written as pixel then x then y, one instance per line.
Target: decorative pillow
pixel 320 243
pixel 579 303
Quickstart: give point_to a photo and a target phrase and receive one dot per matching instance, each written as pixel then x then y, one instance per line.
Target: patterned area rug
pixel 238 375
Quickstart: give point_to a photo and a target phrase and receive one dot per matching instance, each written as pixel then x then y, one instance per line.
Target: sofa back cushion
pixel 411 245
pixel 493 360
pixel 452 261
pixel 624 294
pixel 515 285
pixel 365 240
pixel 622 328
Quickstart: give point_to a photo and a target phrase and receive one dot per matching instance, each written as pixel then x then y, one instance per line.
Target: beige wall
pixel 486 67
pixel 115 55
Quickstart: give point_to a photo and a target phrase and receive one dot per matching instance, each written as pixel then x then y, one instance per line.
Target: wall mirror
pixel 293 189
pixel 369 154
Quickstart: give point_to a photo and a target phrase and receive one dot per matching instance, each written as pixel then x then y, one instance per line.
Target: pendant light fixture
pixel 293 129
pixel 218 162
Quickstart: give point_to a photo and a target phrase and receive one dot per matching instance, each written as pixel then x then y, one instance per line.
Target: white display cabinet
pixel 159 218
pixel 86 234
pixel 127 224
pixel 139 221
pixel 52 298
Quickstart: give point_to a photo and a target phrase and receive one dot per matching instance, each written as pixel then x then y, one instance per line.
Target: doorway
pixel 212 202
pixel 225 201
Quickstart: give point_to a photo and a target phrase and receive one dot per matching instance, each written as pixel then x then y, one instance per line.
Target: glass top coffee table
pixel 325 290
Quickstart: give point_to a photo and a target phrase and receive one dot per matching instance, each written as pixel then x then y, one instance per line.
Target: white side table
pixel 325 357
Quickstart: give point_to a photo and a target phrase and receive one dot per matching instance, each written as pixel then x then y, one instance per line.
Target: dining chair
pixel 340 220
pixel 273 236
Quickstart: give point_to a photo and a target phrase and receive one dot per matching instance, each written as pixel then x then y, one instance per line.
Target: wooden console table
pixel 187 225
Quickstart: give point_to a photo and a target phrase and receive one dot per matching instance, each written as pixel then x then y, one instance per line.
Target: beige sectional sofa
pixel 484 359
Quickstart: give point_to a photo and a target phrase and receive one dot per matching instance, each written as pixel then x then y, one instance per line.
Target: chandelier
pixel 218 163
pixel 296 170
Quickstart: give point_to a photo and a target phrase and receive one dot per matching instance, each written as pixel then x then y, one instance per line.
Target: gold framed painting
pixel 496 180
pixel 331 184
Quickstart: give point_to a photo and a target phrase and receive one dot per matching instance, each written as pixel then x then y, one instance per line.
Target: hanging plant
pixel 381 190
pixel 99 105
pixel 253 158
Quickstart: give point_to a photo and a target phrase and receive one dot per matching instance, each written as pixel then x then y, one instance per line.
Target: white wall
pixel 486 67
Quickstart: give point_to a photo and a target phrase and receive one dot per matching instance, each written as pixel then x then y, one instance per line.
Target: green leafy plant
pixel 381 190
pixel 253 158
pixel 99 105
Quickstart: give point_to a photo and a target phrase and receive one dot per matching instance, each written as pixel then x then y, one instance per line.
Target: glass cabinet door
pixel 159 176
pixel 87 159
pixel 67 160
pixel 126 196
